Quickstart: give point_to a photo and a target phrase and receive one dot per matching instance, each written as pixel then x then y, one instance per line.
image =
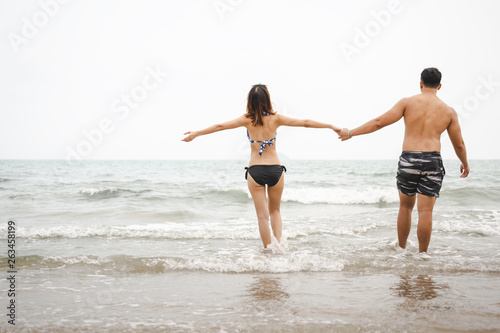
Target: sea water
pixel 141 246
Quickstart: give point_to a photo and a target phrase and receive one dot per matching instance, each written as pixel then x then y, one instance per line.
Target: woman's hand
pixel 336 129
pixel 344 134
pixel 190 136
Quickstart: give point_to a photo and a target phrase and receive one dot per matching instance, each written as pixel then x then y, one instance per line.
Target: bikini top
pixel 264 142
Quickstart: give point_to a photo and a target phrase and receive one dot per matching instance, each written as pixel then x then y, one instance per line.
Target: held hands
pixel 344 134
pixel 190 136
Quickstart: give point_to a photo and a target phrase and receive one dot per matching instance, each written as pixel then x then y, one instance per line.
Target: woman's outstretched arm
pixel 238 122
pixel 288 121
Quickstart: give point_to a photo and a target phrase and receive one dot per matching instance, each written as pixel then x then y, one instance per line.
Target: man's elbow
pixel 460 147
pixel 219 127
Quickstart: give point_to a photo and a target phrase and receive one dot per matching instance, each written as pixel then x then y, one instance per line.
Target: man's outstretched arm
pixel 455 134
pixel 388 118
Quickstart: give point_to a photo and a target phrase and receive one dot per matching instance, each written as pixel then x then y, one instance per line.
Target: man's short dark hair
pixel 431 77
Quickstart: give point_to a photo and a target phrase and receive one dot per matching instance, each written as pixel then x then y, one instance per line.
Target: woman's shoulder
pixel 276 117
pixel 245 120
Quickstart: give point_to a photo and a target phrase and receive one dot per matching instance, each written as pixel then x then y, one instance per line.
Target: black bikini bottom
pixel 266 174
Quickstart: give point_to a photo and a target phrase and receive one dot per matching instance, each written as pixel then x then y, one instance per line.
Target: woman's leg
pixel 274 194
pixel 258 193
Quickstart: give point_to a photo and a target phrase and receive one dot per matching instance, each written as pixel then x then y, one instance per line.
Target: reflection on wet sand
pixel 417 290
pixel 267 288
pixel 265 302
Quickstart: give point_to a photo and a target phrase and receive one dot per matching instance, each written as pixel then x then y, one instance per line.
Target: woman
pixel 265 168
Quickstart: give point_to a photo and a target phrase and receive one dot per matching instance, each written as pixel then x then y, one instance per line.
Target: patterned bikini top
pixel 264 142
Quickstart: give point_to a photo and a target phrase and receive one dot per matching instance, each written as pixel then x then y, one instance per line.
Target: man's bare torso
pixel 426 118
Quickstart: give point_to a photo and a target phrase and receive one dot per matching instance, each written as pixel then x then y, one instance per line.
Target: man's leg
pixel 406 204
pixel 425 205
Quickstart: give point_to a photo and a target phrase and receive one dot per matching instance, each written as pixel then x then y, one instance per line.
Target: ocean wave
pixel 227 261
pixel 341 196
pixel 241 195
pixel 422 264
pixel 249 262
pixel 103 191
pixel 148 231
pixel 108 192
pixel 387 255
pixel 371 174
pixel 20 196
pixel 57 261
pixel 473 223
pixel 472 193
pixel 384 255
pixel 184 231
pixel 316 195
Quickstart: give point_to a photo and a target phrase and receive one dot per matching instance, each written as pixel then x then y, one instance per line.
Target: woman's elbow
pixel 378 123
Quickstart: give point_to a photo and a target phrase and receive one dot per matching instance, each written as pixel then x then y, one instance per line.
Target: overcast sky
pixel 120 79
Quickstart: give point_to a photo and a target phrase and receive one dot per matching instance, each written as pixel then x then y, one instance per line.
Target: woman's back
pixel 263 141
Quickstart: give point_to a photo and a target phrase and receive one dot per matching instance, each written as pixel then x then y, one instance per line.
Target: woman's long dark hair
pixel 258 104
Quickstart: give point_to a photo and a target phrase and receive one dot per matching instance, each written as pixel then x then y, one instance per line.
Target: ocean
pixel 173 246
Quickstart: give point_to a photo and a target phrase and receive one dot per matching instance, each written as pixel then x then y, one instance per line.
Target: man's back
pixel 426 118
pixel 420 167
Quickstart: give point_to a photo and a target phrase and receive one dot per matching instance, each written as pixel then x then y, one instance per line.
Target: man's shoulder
pixel 411 100
pixel 421 98
pixel 447 108
pixel 413 97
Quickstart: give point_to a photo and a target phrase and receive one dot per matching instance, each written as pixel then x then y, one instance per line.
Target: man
pixel 420 170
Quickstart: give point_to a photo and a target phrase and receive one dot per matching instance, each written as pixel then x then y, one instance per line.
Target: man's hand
pixel 190 136
pixel 344 134
pixel 464 171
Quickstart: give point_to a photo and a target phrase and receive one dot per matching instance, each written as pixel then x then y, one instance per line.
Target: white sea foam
pixel 327 195
pixel 341 196
pixel 240 261
pixel 470 228
pixel 200 230
pixel 99 191
pixel 226 261
pixel 278 247
pixel 304 259
pixel 88 260
pixel 478 223
pixel 155 231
